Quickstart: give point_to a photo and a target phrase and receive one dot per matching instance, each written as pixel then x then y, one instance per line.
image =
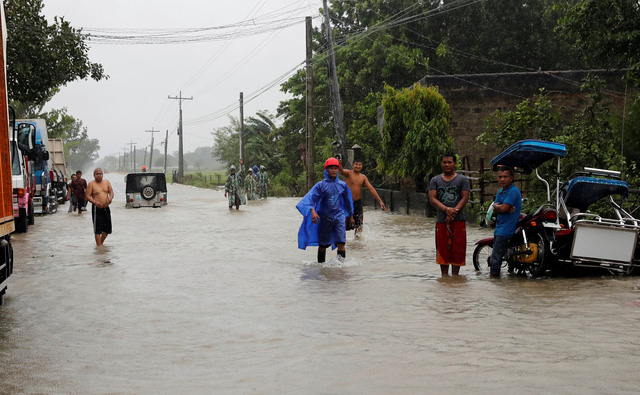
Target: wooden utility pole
pixel 132 153
pixel 241 126
pixel 124 159
pixel 180 151
pixel 151 154
pixel 166 140
pixel 311 176
pixel 336 102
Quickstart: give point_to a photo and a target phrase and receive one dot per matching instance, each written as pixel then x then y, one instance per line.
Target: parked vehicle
pixel 565 234
pixel 145 190
pixel 591 239
pixel 22 177
pixel 45 197
pixel 6 210
pixel 58 169
pixel 530 248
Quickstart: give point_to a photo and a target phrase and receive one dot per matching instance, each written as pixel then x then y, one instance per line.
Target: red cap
pixel 331 162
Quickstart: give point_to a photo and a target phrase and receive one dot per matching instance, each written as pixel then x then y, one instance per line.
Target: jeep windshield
pixel 135 182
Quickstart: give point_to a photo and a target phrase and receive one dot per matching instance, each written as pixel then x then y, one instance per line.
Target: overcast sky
pixel 221 63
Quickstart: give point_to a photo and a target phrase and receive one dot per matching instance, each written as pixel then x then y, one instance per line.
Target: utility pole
pixel 166 140
pixel 124 159
pixel 151 154
pixel 132 154
pixel 241 126
pixel 180 151
pixel 310 171
pixel 336 102
pixel 144 161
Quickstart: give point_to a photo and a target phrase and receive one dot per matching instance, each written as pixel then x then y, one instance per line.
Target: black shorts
pixel 101 220
pixel 357 215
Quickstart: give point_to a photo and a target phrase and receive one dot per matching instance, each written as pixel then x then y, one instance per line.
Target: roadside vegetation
pixel 376 52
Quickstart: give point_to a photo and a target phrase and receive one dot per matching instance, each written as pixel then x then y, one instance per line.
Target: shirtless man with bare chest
pixel 356 180
pixel 100 194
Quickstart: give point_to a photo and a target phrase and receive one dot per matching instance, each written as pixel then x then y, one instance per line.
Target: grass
pixel 202 179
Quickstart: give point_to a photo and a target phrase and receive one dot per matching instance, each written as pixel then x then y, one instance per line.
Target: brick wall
pixel 472 98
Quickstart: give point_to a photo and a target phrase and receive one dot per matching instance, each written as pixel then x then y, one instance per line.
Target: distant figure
pixel 73 201
pixel 449 193
pixel 79 191
pixel 100 194
pixel 507 206
pixel 256 171
pixel 233 189
pixel 144 169
pixel 325 208
pixel 251 185
pixel 356 180
pixel 263 182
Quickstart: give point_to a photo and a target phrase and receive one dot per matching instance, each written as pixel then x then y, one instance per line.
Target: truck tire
pixel 21 222
pixel 31 217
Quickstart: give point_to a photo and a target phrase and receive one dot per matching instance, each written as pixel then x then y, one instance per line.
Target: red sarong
pixel 451 243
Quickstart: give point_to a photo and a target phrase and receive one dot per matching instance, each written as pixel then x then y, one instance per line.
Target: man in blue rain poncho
pixel 324 209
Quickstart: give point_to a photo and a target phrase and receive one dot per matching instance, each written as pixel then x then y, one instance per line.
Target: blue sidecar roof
pixel 582 192
pixel 529 154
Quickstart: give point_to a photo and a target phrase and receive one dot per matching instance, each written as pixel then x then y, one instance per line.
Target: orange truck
pixel 6 187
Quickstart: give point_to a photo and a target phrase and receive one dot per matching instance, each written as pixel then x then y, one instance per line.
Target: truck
pixel 58 169
pixel 22 178
pixel 45 198
pixel 7 225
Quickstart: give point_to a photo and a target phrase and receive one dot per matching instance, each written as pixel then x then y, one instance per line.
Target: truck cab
pixel 45 199
pixel 22 178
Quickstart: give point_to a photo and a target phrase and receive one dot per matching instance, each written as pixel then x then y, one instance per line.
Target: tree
pixel 531 119
pixel 43 57
pixel 606 31
pixel 415 132
pixel 79 149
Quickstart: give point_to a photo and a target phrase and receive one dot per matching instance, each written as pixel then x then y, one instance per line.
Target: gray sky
pixel 246 58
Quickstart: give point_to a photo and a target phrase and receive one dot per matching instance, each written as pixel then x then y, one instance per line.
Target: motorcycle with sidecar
pixel 565 233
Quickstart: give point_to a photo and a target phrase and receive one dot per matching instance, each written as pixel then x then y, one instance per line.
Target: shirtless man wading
pixel 100 194
pixel 356 180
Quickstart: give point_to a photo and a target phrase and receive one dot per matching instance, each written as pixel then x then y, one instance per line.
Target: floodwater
pixel 192 298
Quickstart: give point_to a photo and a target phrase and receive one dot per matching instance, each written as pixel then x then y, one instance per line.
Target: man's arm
pixel 89 192
pixel 110 194
pixel 373 192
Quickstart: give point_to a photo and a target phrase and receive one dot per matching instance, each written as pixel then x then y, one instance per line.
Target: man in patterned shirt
pixel 449 193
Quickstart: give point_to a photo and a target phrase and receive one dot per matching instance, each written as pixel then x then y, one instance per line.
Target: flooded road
pixel 192 298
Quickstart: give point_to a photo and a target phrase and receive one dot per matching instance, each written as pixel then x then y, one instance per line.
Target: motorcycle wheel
pixel 482 258
pixel 539 266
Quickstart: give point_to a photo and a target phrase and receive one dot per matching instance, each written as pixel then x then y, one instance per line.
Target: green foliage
pixel 415 131
pixel 79 149
pixel 592 139
pixel 606 31
pixel 43 57
pixel 531 119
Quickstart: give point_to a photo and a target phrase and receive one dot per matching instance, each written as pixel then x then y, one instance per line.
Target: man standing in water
pixel 233 189
pixel 449 193
pixel 507 207
pixel 325 209
pixel 263 182
pixel 356 180
pixel 79 191
pixel 100 194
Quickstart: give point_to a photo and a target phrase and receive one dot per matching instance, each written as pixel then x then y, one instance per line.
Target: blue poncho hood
pixel 329 197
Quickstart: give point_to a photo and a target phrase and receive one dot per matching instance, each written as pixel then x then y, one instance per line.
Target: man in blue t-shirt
pixel 507 207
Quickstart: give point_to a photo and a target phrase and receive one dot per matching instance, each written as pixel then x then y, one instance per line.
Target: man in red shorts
pixel 449 193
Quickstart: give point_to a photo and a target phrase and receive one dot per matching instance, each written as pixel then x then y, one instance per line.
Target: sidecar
pixel 607 239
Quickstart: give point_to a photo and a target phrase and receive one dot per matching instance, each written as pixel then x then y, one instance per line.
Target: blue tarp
pixel 529 154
